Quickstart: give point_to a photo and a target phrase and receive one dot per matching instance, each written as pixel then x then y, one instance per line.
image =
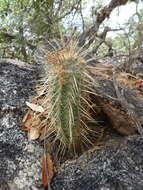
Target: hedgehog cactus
pixel 68 91
pixel 65 97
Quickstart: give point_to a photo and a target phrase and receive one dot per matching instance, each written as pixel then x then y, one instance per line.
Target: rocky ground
pixel 20 159
pixel 117 166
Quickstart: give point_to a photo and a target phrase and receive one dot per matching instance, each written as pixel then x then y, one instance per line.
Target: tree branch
pixel 73 7
pixel 101 16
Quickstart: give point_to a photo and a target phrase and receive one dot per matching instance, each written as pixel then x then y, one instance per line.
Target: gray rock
pixel 119 166
pixel 20 159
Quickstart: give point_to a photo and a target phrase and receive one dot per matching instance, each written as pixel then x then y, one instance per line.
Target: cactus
pixel 66 91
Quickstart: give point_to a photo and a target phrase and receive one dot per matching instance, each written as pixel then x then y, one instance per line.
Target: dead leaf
pixel 35 107
pixel 34 101
pixel 33 133
pixel 36 122
pixel 139 83
pixel 47 169
pixel 27 116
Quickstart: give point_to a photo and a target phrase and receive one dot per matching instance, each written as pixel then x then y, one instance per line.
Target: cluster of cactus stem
pixel 67 88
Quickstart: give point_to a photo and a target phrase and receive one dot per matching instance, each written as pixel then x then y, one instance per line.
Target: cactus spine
pixel 67 87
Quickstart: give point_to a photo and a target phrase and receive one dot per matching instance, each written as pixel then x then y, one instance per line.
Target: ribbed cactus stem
pixel 68 97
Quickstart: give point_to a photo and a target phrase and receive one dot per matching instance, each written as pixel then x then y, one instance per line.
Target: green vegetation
pixel 67 89
pixel 25 23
